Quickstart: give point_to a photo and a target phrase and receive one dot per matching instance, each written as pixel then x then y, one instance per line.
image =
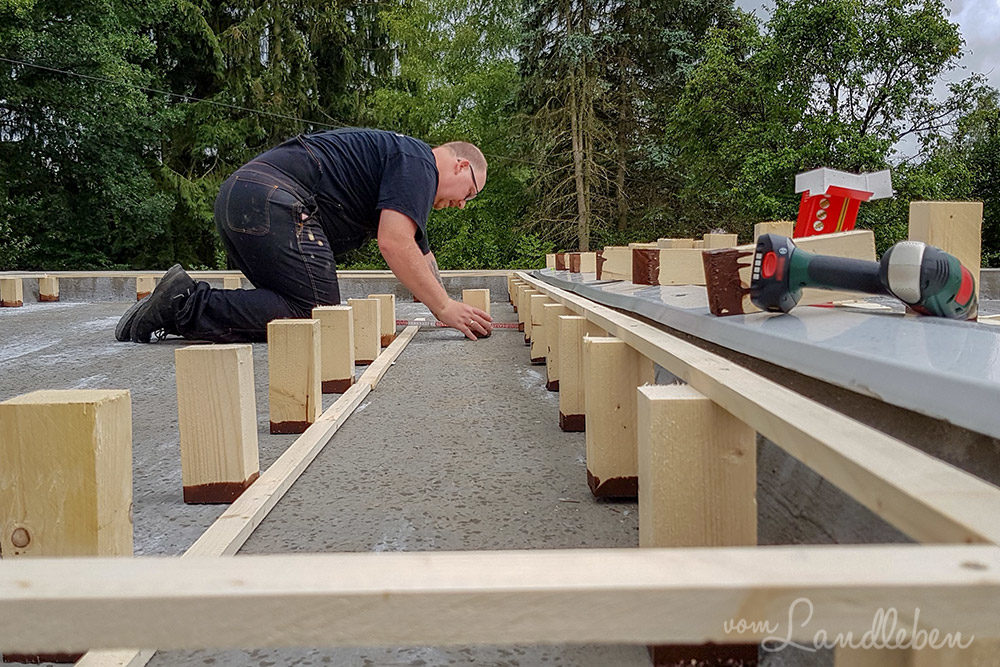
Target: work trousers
pixel 271 229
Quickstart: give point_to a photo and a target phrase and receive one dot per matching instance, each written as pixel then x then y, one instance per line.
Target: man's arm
pixel 433 264
pixel 396 243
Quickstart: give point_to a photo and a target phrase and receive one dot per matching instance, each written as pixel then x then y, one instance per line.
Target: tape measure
pixel 423 322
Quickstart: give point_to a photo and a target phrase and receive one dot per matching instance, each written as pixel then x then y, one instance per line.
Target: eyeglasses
pixel 475 183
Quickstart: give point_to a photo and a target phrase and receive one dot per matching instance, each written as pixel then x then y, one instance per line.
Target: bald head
pixel 463 150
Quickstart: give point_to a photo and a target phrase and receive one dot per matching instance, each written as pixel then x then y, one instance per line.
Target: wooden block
pixel 672 266
pixel 144 286
pixel 779 227
pixel 550 260
pixel 293 364
pixel 719 241
pixel 583 262
pixel 955 227
pixel 66 478
pixel 616 263
pixel 697 471
pixel 572 390
pixel 698 244
pixel 336 327
pixel 550 318
pixel 644 246
pixel 387 317
pixel 538 344
pixel 367 324
pixel 217 418
pixel 232 282
pixel 11 293
pixel 524 312
pixel 611 372
pixel 674 243
pixel 562 261
pixel 479 298
pixel 48 289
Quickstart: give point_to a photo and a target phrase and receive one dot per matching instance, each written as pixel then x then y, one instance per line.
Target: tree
pixel 831 83
pixel 75 150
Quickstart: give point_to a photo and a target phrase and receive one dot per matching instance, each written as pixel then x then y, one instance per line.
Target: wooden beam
pixel 217 419
pixel 293 366
pixel 336 327
pixel 66 477
pixel 367 325
pixel 386 317
pixel 924 497
pixel 48 289
pixel 232 529
pixel 506 597
pixel 611 372
pixel 955 227
pixel 550 315
pixel 11 293
pixel 144 286
pixel 538 345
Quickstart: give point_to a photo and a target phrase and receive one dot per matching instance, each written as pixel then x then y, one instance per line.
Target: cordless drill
pixel 926 278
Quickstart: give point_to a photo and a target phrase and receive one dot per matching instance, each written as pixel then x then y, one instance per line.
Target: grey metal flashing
pixel 945 369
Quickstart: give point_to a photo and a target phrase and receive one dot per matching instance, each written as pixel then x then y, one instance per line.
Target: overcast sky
pixel 978 20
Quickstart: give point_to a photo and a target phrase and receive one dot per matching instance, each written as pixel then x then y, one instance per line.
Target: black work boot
pixel 157 313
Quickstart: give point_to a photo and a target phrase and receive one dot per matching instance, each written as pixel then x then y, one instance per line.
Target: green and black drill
pixel 926 278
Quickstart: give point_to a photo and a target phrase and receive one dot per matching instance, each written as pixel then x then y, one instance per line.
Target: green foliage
pixel 603 123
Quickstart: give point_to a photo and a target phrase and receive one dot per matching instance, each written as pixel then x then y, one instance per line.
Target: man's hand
pixel 467 319
pixel 395 241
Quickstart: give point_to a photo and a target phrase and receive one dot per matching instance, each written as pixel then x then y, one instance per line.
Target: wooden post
pixel 11 293
pixel 367 324
pixel 780 227
pixel 232 282
pixel 386 317
pixel 217 416
pixel 572 389
pixel 336 325
pixel 611 372
pixel 524 311
pixel 955 227
pixel 144 286
pixel 48 289
pixel 697 471
pixel 550 317
pixel 480 298
pixel 537 352
pixel 697 488
pixel 66 478
pixel 293 358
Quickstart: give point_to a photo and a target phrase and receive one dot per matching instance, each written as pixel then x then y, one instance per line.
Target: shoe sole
pixel 123 332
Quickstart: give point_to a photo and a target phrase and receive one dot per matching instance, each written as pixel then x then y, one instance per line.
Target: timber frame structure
pixel 646 595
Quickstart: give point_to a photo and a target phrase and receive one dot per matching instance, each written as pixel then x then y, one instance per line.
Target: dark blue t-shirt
pixel 354 174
